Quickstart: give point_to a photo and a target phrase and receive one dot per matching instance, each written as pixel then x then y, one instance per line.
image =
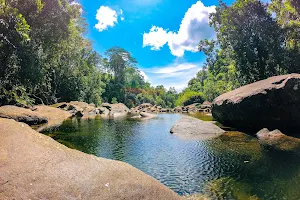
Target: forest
pixel 46 59
pixel 254 41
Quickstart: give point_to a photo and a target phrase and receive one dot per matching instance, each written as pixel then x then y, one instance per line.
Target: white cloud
pixel 106 17
pixel 174 75
pixel 194 27
pixel 156 38
pixel 176 68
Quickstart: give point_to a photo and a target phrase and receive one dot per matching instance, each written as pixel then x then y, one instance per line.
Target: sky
pixel 161 34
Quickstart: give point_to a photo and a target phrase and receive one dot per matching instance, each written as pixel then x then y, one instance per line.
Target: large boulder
pixel 34 166
pixel 22 115
pixel 147 116
pixel 193 108
pixel 55 116
pixel 205 104
pixel 192 128
pixel 272 103
pixel 117 110
pixel 178 109
pixel 45 117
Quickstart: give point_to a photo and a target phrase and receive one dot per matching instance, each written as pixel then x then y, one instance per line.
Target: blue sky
pixel 161 34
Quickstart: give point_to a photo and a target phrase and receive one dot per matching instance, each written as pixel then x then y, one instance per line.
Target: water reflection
pixel 233 166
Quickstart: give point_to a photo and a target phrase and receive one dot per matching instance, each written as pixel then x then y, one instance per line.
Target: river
pixel 233 166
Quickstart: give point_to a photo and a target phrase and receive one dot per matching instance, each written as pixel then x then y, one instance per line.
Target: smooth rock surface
pixel 55 116
pixel 22 115
pixel 34 166
pixel 146 116
pixel 192 128
pixel 272 103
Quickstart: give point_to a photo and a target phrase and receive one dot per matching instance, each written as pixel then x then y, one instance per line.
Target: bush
pixel 189 97
pixel 114 100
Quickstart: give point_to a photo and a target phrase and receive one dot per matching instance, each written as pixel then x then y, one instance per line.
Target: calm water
pixel 233 166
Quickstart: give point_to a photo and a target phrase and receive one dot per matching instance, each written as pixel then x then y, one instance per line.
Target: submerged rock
pixel 272 103
pixel 278 140
pixel 22 115
pixel 192 128
pixel 229 188
pixel 34 166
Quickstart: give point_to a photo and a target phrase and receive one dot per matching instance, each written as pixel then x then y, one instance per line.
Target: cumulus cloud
pixel 193 28
pixel 156 38
pixel 107 17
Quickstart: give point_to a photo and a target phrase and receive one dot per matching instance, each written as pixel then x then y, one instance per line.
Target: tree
pixel 44 57
pixel 119 60
pixel 287 14
pixel 256 46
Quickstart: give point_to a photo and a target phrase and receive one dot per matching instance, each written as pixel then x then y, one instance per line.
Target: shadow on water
pixel 233 166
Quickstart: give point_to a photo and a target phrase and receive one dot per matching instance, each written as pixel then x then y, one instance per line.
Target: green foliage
pixel 121 65
pixel 114 100
pixel 288 17
pixel 188 97
pixel 44 57
pixel 255 46
pixel 157 96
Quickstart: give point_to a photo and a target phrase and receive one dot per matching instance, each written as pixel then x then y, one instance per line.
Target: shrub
pixel 189 97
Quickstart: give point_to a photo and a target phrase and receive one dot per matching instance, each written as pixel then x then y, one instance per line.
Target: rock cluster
pixel 52 116
pixel 84 110
pixel 149 108
pixel 193 108
pixel 79 109
pixel 205 107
